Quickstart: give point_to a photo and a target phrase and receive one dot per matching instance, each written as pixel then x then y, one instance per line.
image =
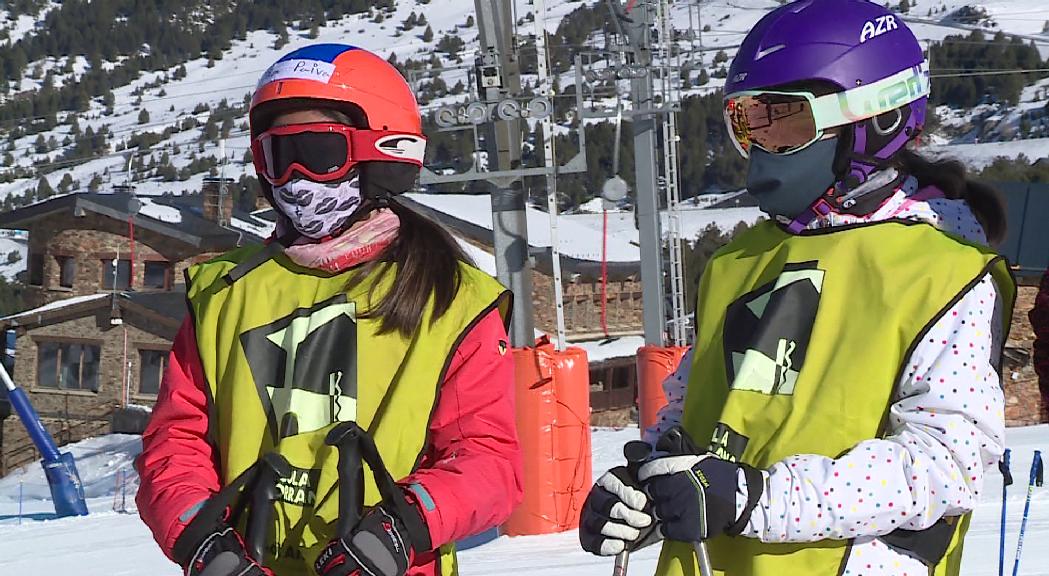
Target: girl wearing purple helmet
pixel 845 384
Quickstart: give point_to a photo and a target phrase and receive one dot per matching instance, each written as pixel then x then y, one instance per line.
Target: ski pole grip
pixel 635 452
pixel 1003 467
pixel 677 442
pixel 347 438
pixel 273 468
pixel 1036 469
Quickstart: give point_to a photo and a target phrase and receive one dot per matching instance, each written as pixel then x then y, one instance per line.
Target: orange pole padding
pixel 654 364
pixel 553 427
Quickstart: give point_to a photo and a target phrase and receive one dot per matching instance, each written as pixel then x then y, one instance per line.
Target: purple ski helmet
pixel 846 43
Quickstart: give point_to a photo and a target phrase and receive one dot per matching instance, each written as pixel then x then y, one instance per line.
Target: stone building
pixel 106 296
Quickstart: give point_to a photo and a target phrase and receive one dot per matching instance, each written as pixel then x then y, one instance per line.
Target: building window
pixel 36 269
pixel 67 366
pixel 157 275
pixel 151 370
pixel 116 277
pixel 66 270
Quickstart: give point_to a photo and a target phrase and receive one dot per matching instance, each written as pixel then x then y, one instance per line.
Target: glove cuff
pixel 755 488
pixel 410 514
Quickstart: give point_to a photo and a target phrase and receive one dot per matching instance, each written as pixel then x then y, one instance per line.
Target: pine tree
pixel 905 6
pixel 43 189
pixel 143 116
pixel 428 34
pixel 65 184
pixel 10 296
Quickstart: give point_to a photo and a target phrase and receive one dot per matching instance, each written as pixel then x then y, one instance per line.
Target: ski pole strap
pixel 1003 467
pixel 272 467
pixel 392 495
pixel 216 510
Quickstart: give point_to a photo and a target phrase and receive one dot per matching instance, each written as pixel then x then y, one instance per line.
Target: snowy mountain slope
pixel 169 102
pixel 107 543
pixel 12 265
pixel 231 78
pixel 13 29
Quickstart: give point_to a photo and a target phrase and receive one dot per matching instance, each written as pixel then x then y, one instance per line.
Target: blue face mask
pixel 786 186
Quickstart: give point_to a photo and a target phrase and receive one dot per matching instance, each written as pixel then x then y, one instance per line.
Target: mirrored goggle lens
pixel 319 153
pixel 777 123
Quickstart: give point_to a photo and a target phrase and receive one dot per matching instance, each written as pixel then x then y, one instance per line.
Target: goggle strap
pixel 872 100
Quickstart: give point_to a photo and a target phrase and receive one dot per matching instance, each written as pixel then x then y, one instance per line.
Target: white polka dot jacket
pixel 947 426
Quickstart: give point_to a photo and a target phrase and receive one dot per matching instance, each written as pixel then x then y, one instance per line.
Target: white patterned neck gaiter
pixel 318 210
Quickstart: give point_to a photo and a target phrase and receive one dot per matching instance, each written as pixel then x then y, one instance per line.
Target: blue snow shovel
pixel 67 492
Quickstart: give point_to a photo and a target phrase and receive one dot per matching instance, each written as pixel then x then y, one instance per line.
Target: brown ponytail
pixel 426 259
pixel 951 177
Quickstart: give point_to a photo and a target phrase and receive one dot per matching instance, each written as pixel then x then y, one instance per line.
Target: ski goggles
pixel 326 152
pixel 789 121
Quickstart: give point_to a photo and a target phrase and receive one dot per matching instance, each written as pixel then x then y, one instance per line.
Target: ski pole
pixel 635 454
pixel 677 441
pixel 1036 480
pixel 1007 480
pixel 347 438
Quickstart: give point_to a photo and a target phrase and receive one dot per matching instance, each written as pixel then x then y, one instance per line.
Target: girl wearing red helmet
pixel 359 314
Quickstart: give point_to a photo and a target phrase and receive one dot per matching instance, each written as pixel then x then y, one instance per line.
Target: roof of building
pixel 178 217
pixel 168 308
pixel 587 237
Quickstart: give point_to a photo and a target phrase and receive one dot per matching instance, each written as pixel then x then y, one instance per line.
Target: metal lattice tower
pixel 670 72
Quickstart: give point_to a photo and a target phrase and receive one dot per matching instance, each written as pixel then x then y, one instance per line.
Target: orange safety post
pixel 553 427
pixel 654 364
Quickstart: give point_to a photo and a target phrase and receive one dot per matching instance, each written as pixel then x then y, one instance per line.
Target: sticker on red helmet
pixel 402 146
pixel 298 69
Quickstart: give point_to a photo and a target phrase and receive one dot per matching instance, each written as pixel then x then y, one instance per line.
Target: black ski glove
pixel 220 553
pixel 694 495
pixel 617 514
pixel 382 544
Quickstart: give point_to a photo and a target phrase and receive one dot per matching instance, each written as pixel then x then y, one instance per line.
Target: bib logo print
pixel 767 332
pixel 305 367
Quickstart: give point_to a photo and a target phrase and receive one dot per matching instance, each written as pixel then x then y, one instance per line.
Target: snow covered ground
pixel 12 265
pixel 109 543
